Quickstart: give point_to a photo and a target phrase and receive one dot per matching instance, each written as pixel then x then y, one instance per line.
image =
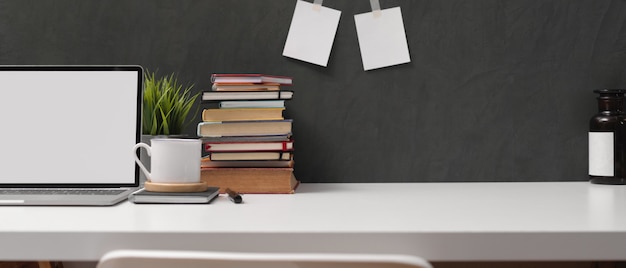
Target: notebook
pixel 142 196
pixel 67 134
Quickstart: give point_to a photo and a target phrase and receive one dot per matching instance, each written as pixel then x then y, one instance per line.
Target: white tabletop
pixel 438 221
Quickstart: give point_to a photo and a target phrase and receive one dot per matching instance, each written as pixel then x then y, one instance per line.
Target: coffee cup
pixel 171 160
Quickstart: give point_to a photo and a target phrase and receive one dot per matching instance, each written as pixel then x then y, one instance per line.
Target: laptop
pixel 67 134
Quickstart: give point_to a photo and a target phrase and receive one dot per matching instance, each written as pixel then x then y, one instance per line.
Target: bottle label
pixel 601 154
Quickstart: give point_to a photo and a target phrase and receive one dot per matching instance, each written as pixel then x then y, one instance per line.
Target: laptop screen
pixel 69 125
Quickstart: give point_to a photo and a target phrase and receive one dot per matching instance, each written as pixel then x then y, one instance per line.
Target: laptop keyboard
pixel 61 191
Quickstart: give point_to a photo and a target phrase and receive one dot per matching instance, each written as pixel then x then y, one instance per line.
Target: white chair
pixel 197 259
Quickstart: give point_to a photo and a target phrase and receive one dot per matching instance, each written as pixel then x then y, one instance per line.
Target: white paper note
pixel 311 33
pixel 382 39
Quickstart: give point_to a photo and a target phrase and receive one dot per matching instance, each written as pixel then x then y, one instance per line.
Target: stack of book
pixel 247 142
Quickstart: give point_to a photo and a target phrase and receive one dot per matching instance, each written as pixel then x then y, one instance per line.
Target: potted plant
pixel 166 104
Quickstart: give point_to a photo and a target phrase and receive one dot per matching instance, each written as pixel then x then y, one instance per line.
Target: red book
pixel 226 146
pixel 250 78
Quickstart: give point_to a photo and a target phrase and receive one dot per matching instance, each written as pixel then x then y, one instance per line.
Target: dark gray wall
pixel 496 90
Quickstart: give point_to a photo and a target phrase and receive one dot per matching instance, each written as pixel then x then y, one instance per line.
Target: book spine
pixel 254 128
pixel 285 146
pixel 250 95
pixel 252 180
pixel 280 156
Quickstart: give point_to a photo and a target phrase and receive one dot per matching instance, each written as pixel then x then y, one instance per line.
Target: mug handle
pixel 138 161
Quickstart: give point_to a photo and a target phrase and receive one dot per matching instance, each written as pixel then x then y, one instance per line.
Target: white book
pixel 253 104
pixel 247 95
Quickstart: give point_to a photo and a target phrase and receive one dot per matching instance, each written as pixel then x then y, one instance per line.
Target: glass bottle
pixel 607 137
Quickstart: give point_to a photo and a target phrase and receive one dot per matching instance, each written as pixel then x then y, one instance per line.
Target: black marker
pixel 234 196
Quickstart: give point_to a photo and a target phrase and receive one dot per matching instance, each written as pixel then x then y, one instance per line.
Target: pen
pixel 234 196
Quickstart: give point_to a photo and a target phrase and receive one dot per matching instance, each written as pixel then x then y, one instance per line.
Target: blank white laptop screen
pixel 69 125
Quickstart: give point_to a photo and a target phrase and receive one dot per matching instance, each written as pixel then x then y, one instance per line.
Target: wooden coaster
pixel 176 187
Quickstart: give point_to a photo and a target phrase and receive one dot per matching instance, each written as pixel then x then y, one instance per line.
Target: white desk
pixel 438 221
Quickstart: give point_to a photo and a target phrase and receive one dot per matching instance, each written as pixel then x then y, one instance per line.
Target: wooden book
pixel 251 180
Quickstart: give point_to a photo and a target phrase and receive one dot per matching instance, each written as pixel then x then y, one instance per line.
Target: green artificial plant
pixel 166 104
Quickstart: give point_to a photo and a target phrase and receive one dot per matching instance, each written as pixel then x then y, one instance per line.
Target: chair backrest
pixel 197 259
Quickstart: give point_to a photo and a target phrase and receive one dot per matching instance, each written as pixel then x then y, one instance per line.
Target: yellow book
pixel 241 114
pixel 244 128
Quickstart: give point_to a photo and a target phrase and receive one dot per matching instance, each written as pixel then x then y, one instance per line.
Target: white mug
pixel 172 160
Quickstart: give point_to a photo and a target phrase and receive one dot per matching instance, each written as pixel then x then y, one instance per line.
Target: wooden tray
pixel 175 187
